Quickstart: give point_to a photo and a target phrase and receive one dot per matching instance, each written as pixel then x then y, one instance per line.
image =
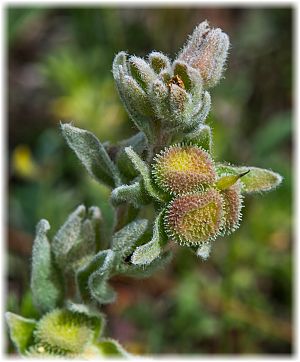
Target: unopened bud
pixel 159 61
pixel 141 71
pixel 194 219
pixel 180 169
pixel 206 50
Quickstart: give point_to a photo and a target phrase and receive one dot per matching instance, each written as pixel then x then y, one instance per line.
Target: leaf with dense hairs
pixel 134 194
pixel 139 143
pixel 46 282
pixel 145 271
pixel 68 235
pixel 146 253
pixel 123 241
pixel 92 278
pixel 144 171
pixel 254 179
pixel 77 238
pixel 92 154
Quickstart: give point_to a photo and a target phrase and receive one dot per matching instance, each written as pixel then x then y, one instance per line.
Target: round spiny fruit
pixel 65 331
pixel 233 203
pixel 196 218
pixel 180 169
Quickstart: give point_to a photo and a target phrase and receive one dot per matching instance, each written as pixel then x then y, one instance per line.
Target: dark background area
pixel 239 301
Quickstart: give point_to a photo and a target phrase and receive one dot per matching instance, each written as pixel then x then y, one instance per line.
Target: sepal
pixel 109 347
pixel 20 331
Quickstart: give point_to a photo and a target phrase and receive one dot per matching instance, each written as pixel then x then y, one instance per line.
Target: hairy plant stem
pixel 161 138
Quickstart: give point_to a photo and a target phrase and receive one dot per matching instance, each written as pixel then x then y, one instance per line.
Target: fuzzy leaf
pixel 133 193
pixel 68 235
pixel 256 180
pixel 138 142
pixel 100 290
pixel 46 282
pixel 20 331
pixel 111 347
pixel 145 271
pixel 96 220
pixel 92 154
pixel 124 240
pixel 84 249
pixel 92 278
pixel 144 171
pixel 146 253
pixel 77 238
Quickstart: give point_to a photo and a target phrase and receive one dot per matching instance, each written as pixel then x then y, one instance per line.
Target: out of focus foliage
pixel 240 300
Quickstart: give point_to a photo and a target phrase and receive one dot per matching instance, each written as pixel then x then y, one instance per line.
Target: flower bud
pixel 159 61
pixel 180 104
pixel 206 50
pixel 180 169
pixel 141 71
pixel 194 219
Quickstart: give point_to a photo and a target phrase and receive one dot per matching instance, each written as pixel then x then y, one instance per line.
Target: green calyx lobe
pixel 226 181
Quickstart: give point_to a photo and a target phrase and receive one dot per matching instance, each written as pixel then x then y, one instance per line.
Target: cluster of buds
pixel 160 94
pixel 201 199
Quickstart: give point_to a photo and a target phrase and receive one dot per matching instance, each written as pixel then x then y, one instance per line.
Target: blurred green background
pixel 59 69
